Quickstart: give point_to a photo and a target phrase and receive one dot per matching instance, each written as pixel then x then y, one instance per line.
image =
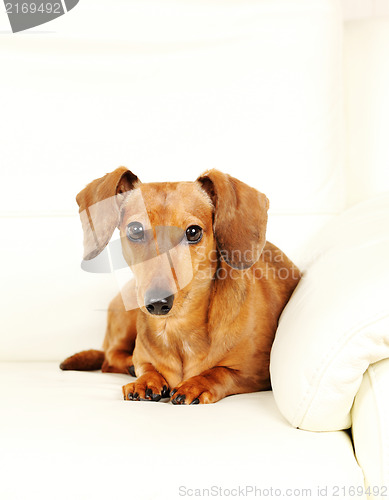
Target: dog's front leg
pixel 150 386
pixel 211 386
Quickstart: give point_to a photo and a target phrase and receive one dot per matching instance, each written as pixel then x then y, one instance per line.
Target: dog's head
pixel 173 235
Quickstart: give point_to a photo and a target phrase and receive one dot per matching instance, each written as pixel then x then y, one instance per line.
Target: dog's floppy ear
pixel 240 218
pixel 99 204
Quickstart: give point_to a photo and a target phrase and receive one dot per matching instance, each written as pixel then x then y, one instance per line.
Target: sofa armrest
pixel 336 324
pixel 370 428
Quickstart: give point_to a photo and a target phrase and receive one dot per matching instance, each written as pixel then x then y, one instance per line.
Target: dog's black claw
pixel 148 393
pixel 131 370
pixel 179 400
pixel 173 392
pixel 165 392
pixel 195 401
pixel 129 395
pixel 135 395
pixel 156 397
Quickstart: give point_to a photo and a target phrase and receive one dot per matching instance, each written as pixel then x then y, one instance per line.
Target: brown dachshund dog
pixel 198 320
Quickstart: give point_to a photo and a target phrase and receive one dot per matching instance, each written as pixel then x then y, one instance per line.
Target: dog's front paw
pixel 193 391
pixel 148 387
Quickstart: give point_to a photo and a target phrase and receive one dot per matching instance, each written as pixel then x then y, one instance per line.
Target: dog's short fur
pixel 216 339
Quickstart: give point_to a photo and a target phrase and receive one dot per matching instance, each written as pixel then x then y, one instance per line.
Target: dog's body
pixel 208 305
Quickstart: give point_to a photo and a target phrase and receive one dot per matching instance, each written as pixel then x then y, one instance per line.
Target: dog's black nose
pixel 158 302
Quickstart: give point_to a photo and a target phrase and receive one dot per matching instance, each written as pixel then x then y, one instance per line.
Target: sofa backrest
pixel 366 63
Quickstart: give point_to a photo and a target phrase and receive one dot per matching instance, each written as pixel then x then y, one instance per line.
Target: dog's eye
pixel 194 234
pixel 135 231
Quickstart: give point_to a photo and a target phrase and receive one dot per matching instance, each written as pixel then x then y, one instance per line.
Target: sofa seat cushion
pixel 71 435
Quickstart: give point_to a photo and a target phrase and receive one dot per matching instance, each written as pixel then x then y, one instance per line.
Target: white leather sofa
pixel 277 93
